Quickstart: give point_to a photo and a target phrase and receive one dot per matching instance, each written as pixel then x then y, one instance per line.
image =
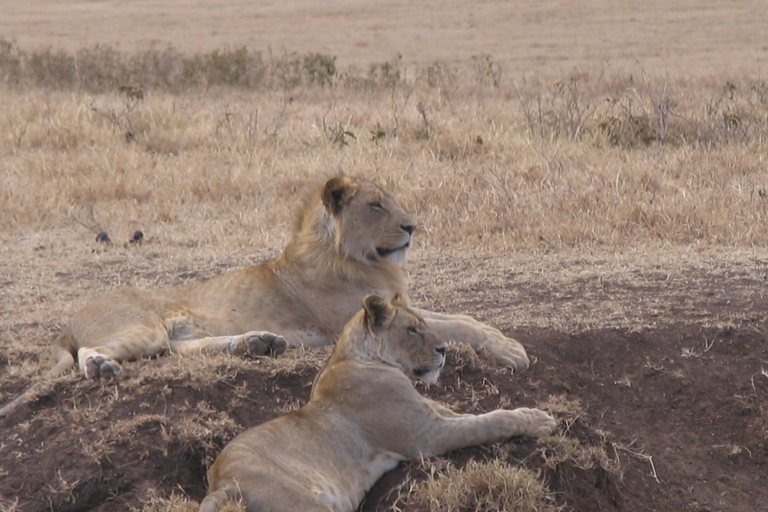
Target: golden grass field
pixel 590 177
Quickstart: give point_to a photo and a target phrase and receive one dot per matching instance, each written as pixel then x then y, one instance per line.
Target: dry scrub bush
pixel 101 68
pixel 629 110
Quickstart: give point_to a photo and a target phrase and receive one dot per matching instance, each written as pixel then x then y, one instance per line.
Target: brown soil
pixel 671 416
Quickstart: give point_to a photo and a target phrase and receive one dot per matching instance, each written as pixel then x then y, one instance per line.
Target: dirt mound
pixel 668 419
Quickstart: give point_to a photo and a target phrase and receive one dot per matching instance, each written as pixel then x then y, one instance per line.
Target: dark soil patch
pixel 679 414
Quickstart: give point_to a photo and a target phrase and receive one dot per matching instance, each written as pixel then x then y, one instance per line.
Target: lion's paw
pixel 507 352
pixel 258 343
pixel 536 423
pixel 101 367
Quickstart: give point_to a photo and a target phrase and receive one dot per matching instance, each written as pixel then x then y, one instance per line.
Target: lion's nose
pixel 408 228
pixel 440 350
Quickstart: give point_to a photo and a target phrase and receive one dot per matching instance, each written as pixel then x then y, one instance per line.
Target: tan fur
pixel 352 240
pixel 363 417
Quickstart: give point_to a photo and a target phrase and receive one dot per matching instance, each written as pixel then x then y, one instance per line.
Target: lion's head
pixel 361 220
pixel 391 333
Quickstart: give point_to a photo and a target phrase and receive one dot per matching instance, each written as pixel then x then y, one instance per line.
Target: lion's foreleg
pixel 453 433
pixel 483 338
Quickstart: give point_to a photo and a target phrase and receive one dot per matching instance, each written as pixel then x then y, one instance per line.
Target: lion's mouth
pixel 381 251
pixel 426 375
pixel 420 372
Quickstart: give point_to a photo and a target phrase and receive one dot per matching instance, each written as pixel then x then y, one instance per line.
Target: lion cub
pixel 363 417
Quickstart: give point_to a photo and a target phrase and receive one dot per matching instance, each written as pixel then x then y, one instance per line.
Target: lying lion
pixel 363 417
pixel 351 241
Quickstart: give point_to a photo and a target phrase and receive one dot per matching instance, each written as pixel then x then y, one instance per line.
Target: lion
pixel 363 417
pixel 351 240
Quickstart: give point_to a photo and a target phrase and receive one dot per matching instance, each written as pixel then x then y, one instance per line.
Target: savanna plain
pixel 590 179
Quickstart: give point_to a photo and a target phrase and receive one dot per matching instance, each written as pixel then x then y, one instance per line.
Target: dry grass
pixel 583 161
pixel 564 180
pixel 573 181
pixel 176 503
pixel 482 486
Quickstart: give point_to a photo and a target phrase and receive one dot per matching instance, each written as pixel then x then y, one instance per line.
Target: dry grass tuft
pixel 200 433
pixel 177 502
pixel 563 447
pixel 463 357
pixel 9 505
pixel 482 486
pixel 564 454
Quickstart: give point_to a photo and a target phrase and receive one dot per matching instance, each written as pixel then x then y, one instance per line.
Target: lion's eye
pixel 376 205
pixel 413 330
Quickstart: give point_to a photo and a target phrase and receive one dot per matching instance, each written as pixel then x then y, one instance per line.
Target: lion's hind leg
pixel 95 365
pixel 250 344
pixel 103 360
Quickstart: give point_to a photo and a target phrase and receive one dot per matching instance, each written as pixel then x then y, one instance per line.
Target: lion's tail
pixel 66 361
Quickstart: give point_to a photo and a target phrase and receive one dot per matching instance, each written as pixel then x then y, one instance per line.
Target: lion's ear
pixel 400 300
pixel 337 191
pixel 377 310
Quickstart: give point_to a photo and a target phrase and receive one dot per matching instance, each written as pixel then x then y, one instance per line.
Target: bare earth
pixel 663 359
pixel 659 355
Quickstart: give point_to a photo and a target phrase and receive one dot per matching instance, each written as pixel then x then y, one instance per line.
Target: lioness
pixel 363 417
pixel 352 240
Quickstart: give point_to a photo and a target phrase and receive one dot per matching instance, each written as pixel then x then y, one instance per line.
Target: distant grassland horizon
pixel 686 36
pixel 215 146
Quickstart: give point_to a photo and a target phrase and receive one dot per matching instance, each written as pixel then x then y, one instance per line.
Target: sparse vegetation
pixel 587 160
pixel 581 203
pixel 481 486
pixel 103 69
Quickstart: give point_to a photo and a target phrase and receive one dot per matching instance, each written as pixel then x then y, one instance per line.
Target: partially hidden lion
pixel 352 239
pixel 363 417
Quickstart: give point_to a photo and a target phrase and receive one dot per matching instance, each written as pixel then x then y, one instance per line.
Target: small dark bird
pixel 138 236
pixel 103 238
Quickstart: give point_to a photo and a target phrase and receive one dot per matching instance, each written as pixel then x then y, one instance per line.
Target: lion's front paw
pixel 507 352
pixel 535 422
pixel 258 343
pixel 101 367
